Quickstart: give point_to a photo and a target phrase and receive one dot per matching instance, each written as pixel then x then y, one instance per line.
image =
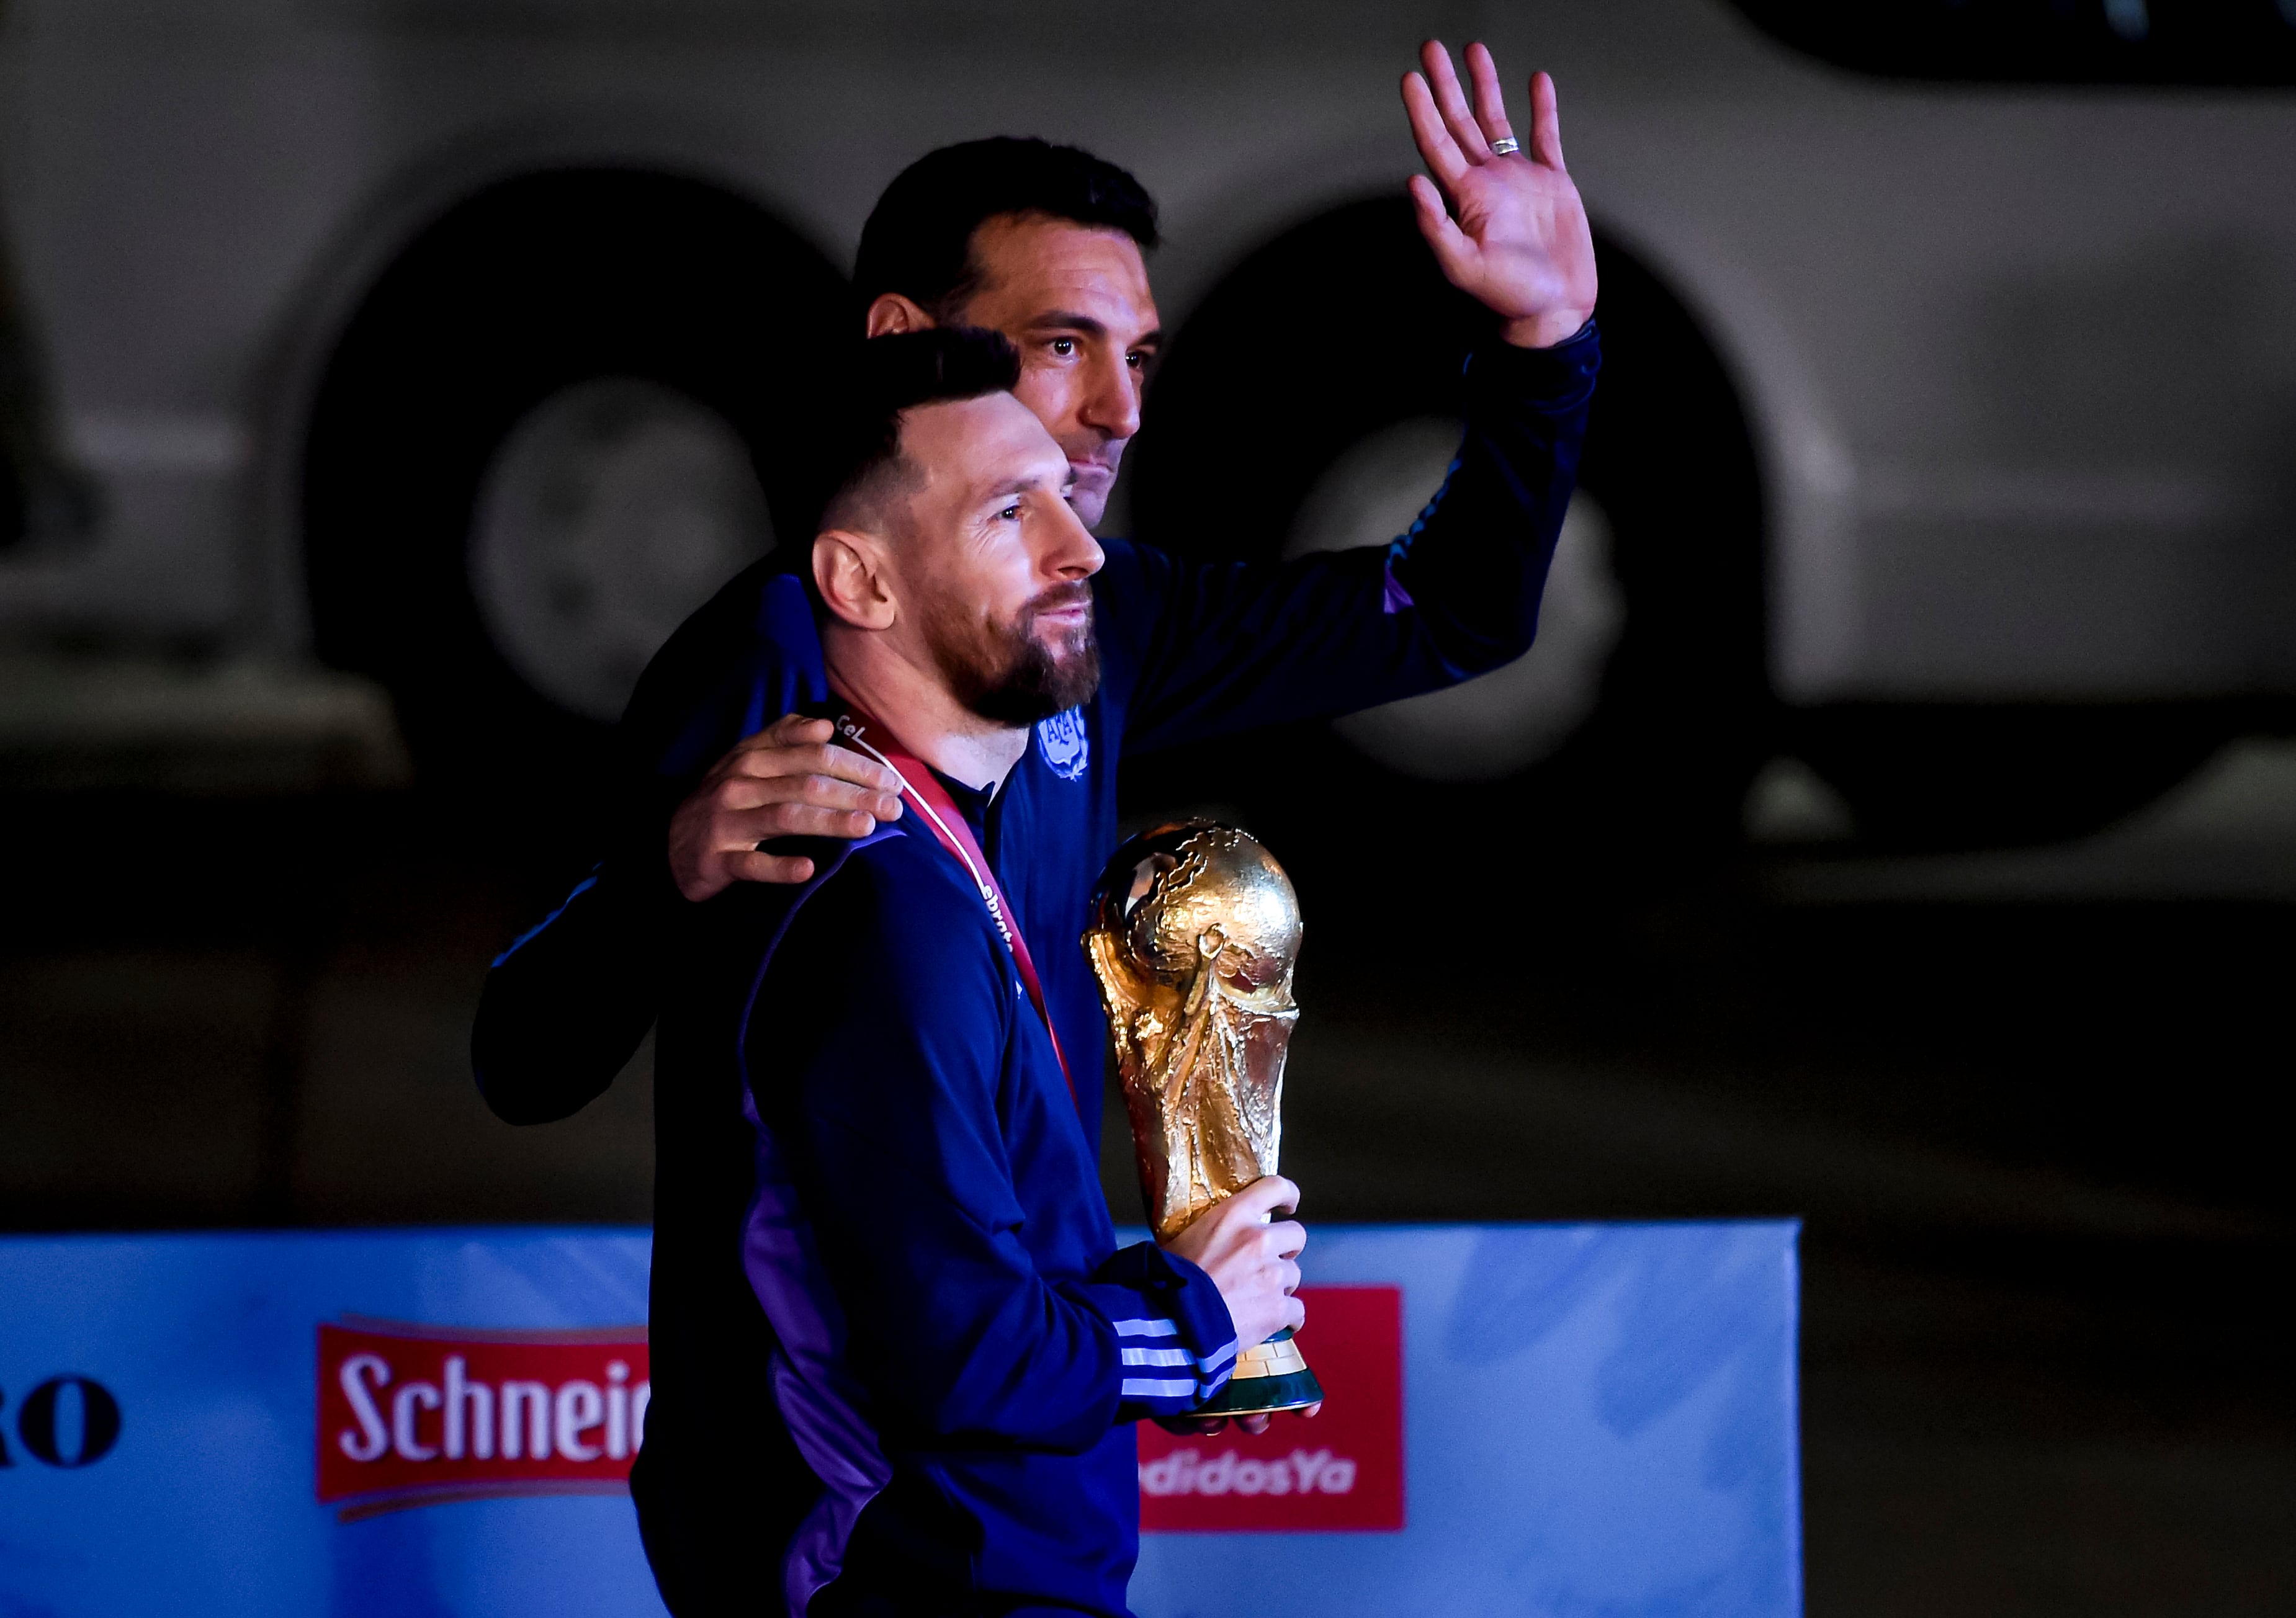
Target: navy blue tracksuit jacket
pixel 891 1323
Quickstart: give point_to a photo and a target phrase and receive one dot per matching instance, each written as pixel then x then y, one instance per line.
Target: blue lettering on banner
pixel 1062 740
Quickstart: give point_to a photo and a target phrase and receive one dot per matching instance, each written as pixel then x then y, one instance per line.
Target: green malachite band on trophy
pixel 1272 1376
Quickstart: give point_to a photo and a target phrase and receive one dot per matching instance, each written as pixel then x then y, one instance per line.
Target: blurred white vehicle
pixel 1950 427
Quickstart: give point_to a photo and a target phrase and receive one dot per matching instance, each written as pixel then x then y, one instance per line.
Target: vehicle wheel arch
pixel 357 253
pixel 1646 322
pixel 494 291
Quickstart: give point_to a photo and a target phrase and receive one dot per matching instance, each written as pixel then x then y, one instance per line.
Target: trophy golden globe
pixel 1194 932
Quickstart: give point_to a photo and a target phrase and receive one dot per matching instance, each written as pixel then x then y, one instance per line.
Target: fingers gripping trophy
pixel 1194 932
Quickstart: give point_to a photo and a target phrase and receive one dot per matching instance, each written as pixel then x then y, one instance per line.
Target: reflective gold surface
pixel 1195 932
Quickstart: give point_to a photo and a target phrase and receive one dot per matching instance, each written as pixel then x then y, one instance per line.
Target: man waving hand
pixel 1046 246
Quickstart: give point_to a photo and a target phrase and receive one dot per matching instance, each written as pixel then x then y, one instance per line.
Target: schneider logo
pixel 1340 1473
pixel 411 1415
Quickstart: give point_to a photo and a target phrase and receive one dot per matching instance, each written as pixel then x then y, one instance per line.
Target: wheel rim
pixel 612 509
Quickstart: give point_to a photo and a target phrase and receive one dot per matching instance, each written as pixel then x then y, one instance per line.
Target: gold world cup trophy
pixel 1194 932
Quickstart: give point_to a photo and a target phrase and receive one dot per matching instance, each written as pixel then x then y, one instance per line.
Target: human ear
pixel 848 570
pixel 891 315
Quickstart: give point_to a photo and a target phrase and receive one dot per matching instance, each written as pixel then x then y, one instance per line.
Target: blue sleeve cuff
pixel 1553 380
pixel 1176 1342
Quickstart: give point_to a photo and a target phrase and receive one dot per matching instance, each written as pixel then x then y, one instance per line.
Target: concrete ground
pixel 2025 1102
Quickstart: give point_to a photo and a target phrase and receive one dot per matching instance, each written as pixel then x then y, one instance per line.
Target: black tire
pixel 532 286
pixel 1343 326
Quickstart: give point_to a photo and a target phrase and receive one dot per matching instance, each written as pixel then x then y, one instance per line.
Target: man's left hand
pixel 1514 234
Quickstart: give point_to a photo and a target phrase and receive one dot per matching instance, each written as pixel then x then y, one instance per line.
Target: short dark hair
pixel 918 241
pixel 862 441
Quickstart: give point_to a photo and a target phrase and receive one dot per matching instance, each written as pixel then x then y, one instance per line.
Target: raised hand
pixel 1514 234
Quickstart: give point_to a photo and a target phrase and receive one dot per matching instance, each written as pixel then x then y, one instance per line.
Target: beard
pixel 1009 674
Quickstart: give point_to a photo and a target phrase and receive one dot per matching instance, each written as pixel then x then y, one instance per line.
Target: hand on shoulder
pixel 786 781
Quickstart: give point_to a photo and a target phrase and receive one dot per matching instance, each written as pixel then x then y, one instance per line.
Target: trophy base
pixel 1272 1376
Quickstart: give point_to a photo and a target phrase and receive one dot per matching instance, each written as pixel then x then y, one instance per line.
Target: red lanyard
pixel 947 821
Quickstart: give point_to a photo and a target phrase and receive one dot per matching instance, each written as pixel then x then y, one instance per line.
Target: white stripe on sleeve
pixel 1151 1327
pixel 1143 1388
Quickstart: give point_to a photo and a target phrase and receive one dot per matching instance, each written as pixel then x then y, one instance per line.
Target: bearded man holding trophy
pixel 897 1350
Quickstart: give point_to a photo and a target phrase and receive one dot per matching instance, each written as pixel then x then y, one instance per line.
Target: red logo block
pixel 1340 1472
pixel 409 1415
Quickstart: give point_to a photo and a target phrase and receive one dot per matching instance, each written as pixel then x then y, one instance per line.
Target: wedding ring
pixel 1503 145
